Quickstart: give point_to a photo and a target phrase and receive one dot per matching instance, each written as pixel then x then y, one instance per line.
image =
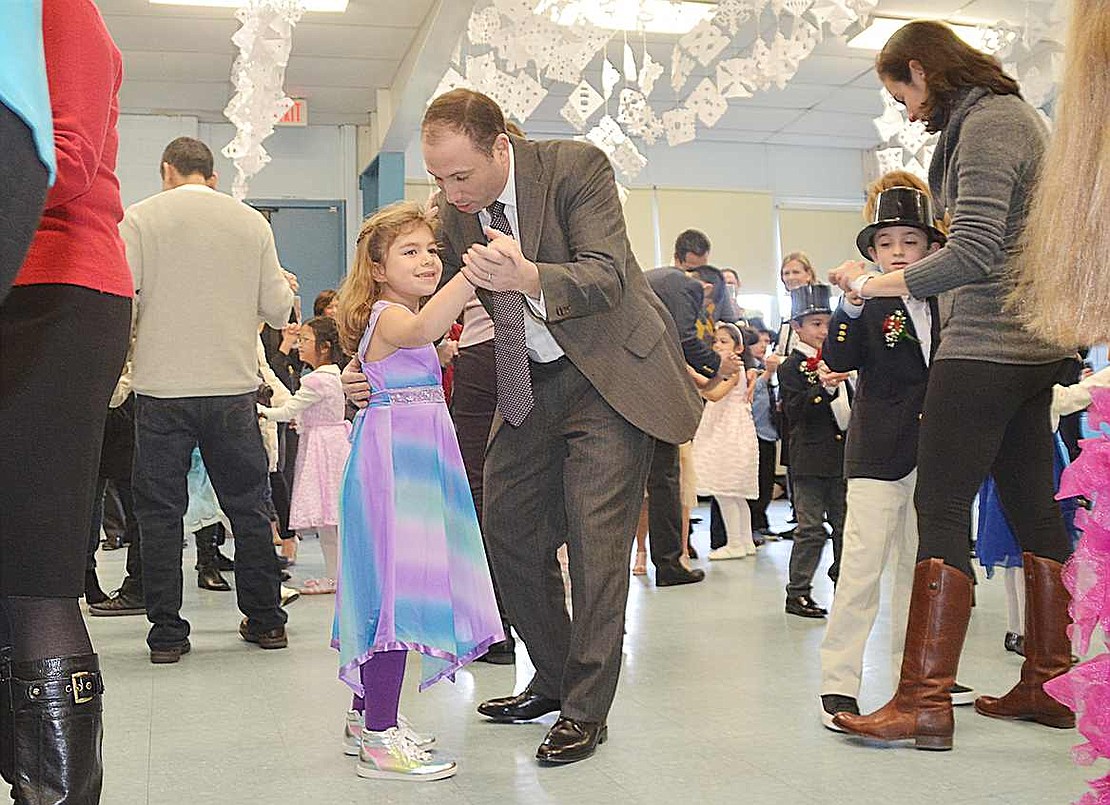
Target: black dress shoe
pixel 804 607
pixel 1015 643
pixel 209 578
pixel 671 576
pixel 525 706
pixel 501 653
pixel 569 741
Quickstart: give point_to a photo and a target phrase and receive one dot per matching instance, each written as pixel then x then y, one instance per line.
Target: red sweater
pixel 78 240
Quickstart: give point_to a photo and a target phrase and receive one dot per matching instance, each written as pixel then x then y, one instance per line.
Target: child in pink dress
pixel 318 408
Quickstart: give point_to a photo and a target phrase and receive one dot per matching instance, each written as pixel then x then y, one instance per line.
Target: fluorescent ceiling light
pixel 649 16
pixel 875 35
pixel 337 6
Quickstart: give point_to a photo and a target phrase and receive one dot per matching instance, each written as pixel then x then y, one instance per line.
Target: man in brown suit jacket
pixel 538 226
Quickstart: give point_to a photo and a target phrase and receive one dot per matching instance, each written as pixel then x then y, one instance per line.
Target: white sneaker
pixel 352 732
pixel 728 551
pixel 391 755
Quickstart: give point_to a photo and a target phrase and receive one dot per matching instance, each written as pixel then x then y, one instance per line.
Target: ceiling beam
pixel 421 70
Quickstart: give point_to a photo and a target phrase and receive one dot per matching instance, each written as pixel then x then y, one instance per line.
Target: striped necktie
pixel 510 349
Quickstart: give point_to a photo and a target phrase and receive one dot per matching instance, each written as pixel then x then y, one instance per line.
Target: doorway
pixel 311 238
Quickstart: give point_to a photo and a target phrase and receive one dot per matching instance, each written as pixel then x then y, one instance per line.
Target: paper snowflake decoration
pixel 736 77
pixel 707 102
pixel 610 77
pixel 650 71
pixel 452 79
pixel 890 159
pixel 584 100
pixel 629 63
pixel 731 14
pixel 483 26
pixel 705 42
pixel 681 67
pixel 680 126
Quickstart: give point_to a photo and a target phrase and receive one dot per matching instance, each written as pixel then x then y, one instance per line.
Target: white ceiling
pixel 177 60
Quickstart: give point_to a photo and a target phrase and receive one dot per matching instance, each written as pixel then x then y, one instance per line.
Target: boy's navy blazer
pixel 815 440
pixel 890 390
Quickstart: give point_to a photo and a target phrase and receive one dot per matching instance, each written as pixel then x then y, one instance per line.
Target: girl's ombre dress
pixel 412 571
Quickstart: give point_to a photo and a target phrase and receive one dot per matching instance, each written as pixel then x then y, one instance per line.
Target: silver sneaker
pixel 391 755
pixel 352 732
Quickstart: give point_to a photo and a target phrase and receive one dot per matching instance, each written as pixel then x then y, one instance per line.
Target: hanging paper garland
pixel 259 102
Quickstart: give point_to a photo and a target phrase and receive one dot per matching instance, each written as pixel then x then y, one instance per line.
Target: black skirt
pixel 62 348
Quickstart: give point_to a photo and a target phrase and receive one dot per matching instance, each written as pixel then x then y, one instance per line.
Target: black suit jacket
pixel 816 441
pixel 683 298
pixel 890 391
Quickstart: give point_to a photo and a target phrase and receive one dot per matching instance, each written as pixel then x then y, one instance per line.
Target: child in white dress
pixel 726 449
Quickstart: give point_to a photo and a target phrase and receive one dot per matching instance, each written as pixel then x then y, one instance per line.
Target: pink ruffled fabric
pixel 1085 689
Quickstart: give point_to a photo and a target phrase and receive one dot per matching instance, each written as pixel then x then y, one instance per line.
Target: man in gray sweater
pixel 205 268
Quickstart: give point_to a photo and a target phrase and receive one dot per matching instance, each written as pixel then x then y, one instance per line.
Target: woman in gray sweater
pixel 987 404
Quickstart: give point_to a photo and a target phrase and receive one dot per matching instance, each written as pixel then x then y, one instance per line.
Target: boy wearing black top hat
pixel 890 343
pixel 817 407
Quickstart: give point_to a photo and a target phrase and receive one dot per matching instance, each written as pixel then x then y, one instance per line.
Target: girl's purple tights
pixel 382 675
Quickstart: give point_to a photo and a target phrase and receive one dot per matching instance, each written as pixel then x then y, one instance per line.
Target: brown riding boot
pixel 921 709
pixel 1047 650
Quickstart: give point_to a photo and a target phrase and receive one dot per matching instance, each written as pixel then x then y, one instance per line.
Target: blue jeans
pixel 226 430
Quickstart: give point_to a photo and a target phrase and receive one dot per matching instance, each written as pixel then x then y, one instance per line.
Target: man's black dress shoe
pixel 677 574
pixel 804 607
pixel 502 652
pixel 525 706
pixel 569 741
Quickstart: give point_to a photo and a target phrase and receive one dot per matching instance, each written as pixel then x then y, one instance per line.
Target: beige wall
pixel 828 236
pixel 740 226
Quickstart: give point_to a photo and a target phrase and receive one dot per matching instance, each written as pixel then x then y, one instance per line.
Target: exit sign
pixel 297 114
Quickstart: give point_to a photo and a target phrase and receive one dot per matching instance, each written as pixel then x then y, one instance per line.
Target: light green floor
pixel 717 704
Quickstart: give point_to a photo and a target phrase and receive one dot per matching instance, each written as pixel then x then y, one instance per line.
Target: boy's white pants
pixel 880 531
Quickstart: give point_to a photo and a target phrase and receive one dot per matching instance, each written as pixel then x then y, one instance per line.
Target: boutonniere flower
pixel 810 367
pixel 895 329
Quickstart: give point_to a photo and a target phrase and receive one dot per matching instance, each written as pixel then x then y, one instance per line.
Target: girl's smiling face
pixel 412 267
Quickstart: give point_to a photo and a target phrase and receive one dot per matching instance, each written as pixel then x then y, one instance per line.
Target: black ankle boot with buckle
pixel 55 728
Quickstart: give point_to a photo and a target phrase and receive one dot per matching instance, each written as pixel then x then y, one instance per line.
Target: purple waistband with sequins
pixel 412 395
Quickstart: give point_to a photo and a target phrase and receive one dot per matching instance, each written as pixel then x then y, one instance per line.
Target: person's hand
pixel 830 379
pixel 289 335
pixel 731 365
pixel 291 278
pixel 447 350
pixel 431 208
pixel 500 266
pixel 772 362
pixel 356 387
pixel 847 271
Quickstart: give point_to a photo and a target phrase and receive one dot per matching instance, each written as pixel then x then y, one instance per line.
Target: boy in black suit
pixel 816 403
pixel 890 343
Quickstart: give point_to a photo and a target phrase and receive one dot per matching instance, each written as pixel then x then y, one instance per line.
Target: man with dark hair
pixel 691 249
pixel 187 157
pixel 203 263
pixel 683 296
pixel 589 374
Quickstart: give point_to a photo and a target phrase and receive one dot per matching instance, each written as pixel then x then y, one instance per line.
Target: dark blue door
pixel 311 242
